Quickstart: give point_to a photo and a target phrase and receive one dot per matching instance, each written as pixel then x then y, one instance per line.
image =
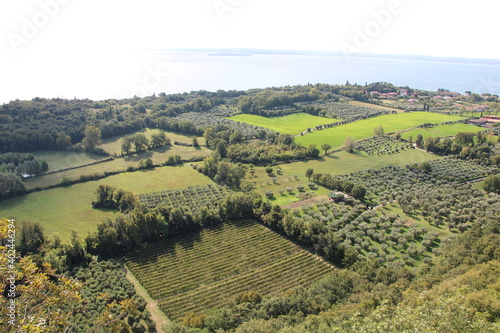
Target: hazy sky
pixel 50 38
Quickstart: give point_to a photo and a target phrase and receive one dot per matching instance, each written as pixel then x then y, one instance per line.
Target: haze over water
pixel 151 72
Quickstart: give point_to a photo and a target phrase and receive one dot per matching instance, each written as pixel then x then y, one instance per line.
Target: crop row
pixel 178 267
pixel 182 275
pixel 381 145
pixel 454 169
pixel 274 278
pixel 208 268
pixel 191 196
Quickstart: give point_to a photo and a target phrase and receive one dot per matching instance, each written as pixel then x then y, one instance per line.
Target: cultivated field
pixel 64 208
pixel 442 130
pixel 290 124
pixel 205 270
pixel 364 128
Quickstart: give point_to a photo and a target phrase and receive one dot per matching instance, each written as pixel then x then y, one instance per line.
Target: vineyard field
pixel 198 271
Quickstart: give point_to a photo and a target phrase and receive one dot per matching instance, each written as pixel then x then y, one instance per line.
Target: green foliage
pixel 104 285
pixel 110 197
pixel 92 138
pixel 248 297
pixel 492 184
pixel 378 131
pixel 10 185
pixel 222 172
pixel 31 237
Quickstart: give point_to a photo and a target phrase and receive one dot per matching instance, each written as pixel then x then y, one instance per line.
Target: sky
pixel 47 41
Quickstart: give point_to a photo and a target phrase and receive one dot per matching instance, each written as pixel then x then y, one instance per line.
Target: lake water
pixel 187 71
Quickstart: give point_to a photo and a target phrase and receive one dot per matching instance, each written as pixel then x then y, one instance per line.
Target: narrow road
pixel 156 314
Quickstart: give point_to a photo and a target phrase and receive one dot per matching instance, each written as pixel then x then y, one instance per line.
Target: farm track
pixel 207 269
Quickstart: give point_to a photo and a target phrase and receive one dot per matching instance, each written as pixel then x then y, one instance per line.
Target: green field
pixel 64 208
pixel 364 128
pixel 290 124
pixel 204 270
pixel 442 130
pixel 158 156
pixel 58 160
pixel 114 145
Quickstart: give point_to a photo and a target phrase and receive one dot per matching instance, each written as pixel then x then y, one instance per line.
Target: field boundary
pixel 157 315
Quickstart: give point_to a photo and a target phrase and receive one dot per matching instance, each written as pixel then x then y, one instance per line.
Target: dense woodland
pixel 393 275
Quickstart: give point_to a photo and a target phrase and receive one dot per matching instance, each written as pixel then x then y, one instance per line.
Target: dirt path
pixel 303 202
pixel 156 314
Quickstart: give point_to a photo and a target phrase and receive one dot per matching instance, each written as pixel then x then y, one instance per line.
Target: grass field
pixel 204 270
pixel 58 160
pixel 64 208
pixel 263 182
pixel 364 128
pixel 290 124
pixel 442 130
pixel 113 145
pixel 158 156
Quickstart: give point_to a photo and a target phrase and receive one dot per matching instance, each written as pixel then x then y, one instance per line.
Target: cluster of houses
pixel 444 95
pixel 391 95
pixel 486 121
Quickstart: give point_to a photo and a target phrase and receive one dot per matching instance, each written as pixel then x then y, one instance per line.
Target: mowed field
pixel 59 160
pixel 289 124
pixel 114 145
pixel 64 208
pixel 442 130
pixel 204 270
pixel 159 156
pixel 364 128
